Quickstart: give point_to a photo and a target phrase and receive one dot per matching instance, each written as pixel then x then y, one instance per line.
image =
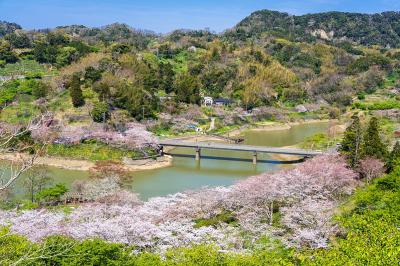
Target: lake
pixel 187 174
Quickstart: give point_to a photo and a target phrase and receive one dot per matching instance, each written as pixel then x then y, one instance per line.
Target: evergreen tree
pixel 92 74
pixel 166 77
pixel 139 102
pixel 187 89
pixel 394 157
pixel 39 89
pixel 76 91
pixel 352 142
pixel 373 144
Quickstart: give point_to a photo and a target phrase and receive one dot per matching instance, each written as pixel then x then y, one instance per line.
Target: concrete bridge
pixel 198 146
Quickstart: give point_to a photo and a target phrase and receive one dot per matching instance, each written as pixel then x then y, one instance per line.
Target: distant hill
pixel 116 32
pixel 376 29
pixel 6 27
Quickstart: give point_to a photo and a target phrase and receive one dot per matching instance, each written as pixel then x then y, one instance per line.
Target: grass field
pixel 23 68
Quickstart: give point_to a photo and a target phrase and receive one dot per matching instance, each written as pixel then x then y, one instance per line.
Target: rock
pixel 393 114
pixel 322 34
pixel 192 49
pixel 301 108
pixel 395 91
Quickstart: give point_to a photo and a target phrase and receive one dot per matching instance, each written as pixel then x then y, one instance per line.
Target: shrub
pixel 100 112
pixel 51 194
pixel 372 236
pixel 76 91
pixel 39 90
pixel 384 105
pixel 92 74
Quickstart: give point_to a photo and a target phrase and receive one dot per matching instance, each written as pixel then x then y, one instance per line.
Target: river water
pixel 188 174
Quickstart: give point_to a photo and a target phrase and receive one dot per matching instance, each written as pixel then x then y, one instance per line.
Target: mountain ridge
pixel 366 29
pixel 381 29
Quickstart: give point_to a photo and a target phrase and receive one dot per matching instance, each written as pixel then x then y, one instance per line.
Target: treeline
pixel 365 29
pixel 361 142
pixel 146 74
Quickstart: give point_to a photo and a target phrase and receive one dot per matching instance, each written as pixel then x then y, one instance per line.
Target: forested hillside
pixel 376 29
pixel 116 73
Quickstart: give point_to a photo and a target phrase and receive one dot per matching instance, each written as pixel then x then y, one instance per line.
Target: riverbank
pixel 86 165
pixel 165 161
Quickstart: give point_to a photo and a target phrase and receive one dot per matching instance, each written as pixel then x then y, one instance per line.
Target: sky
pixel 163 16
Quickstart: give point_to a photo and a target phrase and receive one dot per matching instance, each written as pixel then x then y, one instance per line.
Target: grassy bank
pixel 95 151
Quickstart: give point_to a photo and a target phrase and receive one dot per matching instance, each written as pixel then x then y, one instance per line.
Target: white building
pixel 208 101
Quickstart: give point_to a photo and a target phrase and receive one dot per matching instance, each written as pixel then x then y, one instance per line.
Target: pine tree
pixel 351 145
pixel 76 91
pixel 394 157
pixel 373 144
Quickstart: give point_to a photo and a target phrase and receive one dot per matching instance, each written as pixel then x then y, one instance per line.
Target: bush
pixel 60 250
pixel 100 112
pixel 39 90
pixel 372 236
pixel 224 217
pixel 384 105
pixel 51 194
pixel 92 74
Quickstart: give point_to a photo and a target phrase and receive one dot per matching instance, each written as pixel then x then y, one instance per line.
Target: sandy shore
pixel 85 165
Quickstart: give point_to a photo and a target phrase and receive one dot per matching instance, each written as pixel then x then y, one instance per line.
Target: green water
pixel 187 174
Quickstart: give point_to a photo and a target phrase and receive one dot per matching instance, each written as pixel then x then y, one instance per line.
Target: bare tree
pixel 36 181
pixel 24 163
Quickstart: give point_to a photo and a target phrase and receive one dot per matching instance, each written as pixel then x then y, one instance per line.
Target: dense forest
pixel 147 74
pixel 333 27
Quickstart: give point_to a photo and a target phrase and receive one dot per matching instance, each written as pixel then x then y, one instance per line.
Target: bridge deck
pixel 233 147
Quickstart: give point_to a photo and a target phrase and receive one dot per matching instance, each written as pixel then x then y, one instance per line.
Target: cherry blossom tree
pixel 305 196
pixel 371 168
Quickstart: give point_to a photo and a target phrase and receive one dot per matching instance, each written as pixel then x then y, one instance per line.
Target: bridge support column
pixel 198 154
pixel 254 158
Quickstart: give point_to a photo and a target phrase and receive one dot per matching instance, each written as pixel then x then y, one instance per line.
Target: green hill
pixel 365 29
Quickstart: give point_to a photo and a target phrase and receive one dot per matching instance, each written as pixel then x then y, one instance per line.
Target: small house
pixel 223 102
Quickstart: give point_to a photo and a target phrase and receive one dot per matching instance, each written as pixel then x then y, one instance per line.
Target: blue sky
pixel 166 15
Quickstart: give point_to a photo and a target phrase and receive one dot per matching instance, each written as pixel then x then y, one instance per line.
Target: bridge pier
pixel 198 154
pixel 254 158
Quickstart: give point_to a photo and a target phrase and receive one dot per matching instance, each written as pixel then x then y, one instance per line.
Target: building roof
pixel 223 100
